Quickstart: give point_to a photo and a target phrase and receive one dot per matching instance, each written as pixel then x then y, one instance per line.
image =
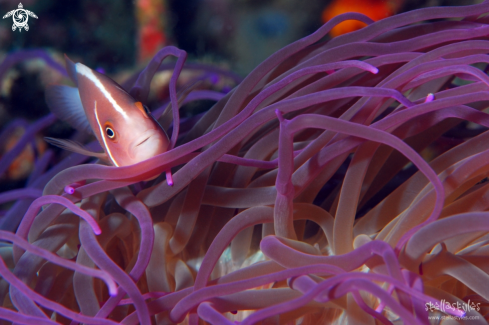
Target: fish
pixel 123 126
pixel 374 9
pixel 22 166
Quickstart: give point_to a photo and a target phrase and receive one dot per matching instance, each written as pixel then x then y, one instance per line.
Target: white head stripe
pixel 87 72
pixel 103 137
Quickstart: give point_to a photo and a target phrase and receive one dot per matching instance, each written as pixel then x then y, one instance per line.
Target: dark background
pixel 105 33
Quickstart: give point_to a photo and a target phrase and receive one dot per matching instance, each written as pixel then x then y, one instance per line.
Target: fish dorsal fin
pixel 71 69
pixel 65 103
pixel 76 147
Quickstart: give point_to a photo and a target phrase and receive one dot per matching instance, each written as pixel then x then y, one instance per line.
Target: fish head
pixel 124 127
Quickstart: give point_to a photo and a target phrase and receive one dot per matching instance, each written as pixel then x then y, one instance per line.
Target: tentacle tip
pixel 69 190
pixel 374 70
pixel 169 178
pixel 279 115
pixel 97 231
pixel 457 312
pixel 113 291
pixel 429 98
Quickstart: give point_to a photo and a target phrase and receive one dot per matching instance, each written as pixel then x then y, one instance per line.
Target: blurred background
pixel 119 34
pixel 119 37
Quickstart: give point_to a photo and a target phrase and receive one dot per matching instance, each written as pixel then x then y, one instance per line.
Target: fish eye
pixel 146 109
pixel 110 133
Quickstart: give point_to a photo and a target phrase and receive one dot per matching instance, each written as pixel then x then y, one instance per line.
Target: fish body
pixel 124 127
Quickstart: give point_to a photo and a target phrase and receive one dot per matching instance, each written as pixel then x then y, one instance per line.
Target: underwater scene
pixel 244 162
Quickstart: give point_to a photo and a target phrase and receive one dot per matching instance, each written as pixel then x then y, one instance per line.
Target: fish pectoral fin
pixel 65 103
pixel 76 147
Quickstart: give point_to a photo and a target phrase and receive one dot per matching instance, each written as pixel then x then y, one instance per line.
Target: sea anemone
pixel 342 181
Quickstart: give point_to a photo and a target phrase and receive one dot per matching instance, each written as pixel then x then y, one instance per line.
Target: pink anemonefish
pixel 124 127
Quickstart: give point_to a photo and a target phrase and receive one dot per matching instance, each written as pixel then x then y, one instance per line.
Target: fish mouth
pixel 140 143
pixel 145 146
pixel 142 138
